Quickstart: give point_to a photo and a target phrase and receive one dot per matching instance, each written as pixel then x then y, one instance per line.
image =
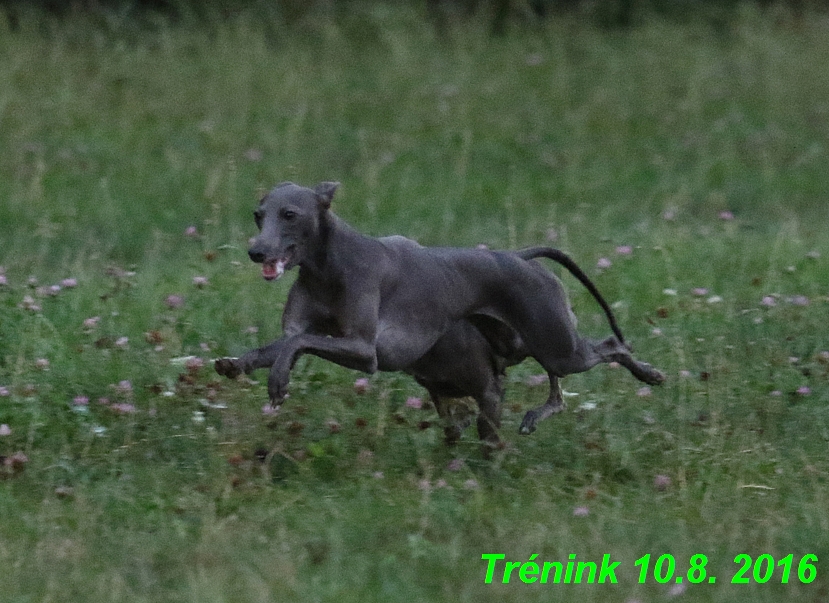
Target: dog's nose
pixel 256 255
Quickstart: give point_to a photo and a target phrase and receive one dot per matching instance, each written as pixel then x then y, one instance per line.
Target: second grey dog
pixel 453 318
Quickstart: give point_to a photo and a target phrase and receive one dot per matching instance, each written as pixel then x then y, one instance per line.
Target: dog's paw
pixel 528 425
pixel 273 407
pixel 277 386
pixel 228 367
pixel 277 395
pixel 651 376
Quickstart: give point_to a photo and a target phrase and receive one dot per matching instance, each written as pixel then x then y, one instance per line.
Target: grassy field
pixel 690 163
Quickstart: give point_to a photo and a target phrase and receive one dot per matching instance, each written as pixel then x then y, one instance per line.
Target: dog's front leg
pixel 263 357
pixel 351 353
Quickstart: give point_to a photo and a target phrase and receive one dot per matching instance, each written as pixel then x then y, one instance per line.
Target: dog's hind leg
pixel 452 426
pixel 587 354
pixel 489 413
pixel 610 350
pixel 553 405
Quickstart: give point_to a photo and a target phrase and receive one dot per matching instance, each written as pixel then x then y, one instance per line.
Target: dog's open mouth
pixel 273 269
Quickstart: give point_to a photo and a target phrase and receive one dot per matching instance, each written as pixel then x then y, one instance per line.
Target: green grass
pixel 115 141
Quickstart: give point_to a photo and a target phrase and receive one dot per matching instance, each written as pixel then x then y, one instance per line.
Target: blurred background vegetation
pixel 499 14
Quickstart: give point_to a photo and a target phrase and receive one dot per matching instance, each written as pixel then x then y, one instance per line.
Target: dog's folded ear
pixel 325 192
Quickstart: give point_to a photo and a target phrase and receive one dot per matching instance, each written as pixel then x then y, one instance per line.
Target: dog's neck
pixel 333 232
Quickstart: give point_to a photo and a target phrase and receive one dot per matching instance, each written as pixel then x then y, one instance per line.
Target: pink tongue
pixel 273 270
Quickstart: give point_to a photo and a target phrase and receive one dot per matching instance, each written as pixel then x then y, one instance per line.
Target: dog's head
pixel 288 219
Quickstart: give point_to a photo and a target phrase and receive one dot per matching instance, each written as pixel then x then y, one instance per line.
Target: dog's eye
pixel 257 217
pixel 288 214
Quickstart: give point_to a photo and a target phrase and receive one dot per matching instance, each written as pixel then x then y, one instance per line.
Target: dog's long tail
pixel 562 258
